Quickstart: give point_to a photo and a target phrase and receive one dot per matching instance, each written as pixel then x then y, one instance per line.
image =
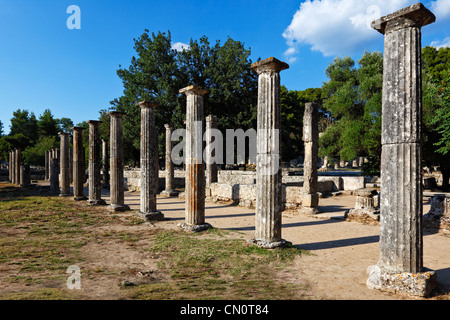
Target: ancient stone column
pixel 169 191
pixel 95 184
pixel 149 162
pixel 105 164
pixel 116 162
pixel 211 168
pixel 400 266
pixel 64 178
pixel 24 175
pixel 268 159
pixel 310 198
pixel 78 164
pixel 10 166
pixel 195 170
pixel 54 175
pixel 17 164
pixel 47 162
pixel 70 165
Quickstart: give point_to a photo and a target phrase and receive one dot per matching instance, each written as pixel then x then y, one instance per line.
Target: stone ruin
pixel 400 265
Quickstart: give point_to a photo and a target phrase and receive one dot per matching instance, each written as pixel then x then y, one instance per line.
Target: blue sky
pixel 44 65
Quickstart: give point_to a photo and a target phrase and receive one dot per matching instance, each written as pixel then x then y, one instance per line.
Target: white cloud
pixel 338 27
pixel 180 46
pixel 441 44
pixel 441 9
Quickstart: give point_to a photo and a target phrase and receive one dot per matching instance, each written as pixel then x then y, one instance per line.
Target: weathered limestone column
pixel 10 166
pixel 64 165
pixel 400 267
pixel 268 159
pixel 54 174
pixel 47 163
pixel 78 164
pixel 25 175
pixel 365 210
pixel 95 184
pixel 17 164
pixel 116 162
pixel 310 197
pixel 70 165
pixel 105 164
pixel 169 191
pixel 149 170
pixel 211 168
pixel 195 170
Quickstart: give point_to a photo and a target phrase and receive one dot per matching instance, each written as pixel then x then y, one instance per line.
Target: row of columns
pixel 19 173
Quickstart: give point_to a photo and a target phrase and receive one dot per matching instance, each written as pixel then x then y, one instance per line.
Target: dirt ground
pixel 341 250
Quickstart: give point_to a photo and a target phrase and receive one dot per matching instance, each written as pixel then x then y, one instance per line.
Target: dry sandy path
pixel 341 250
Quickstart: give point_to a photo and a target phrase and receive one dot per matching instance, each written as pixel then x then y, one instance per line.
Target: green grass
pixel 210 267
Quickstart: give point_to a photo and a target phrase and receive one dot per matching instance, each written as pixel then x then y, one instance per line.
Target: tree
pixel 65 124
pixel 353 97
pixel 1 129
pixel 48 125
pixel 159 72
pixel 24 122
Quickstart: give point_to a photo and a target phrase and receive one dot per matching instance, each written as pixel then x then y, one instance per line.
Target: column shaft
pixel 95 186
pixel 64 165
pixel 149 171
pixel 78 164
pixel 116 162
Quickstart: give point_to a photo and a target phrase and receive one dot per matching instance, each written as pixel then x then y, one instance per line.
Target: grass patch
pixel 209 267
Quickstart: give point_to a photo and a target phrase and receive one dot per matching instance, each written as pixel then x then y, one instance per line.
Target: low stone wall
pixel 238 177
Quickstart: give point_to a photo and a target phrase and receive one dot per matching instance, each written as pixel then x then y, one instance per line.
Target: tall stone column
pixel 211 168
pixel 149 170
pixel 169 191
pixel 310 197
pixel 17 164
pixel 25 175
pixel 54 174
pixel 95 184
pixel 195 170
pixel 47 160
pixel 268 159
pixel 105 164
pixel 10 166
pixel 116 162
pixel 78 164
pixel 64 177
pixel 400 266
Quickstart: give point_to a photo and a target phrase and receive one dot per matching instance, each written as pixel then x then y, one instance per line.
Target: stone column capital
pixel 64 134
pixel 93 122
pixel 415 15
pixel 78 128
pixel 147 104
pixel 194 90
pixel 269 65
pixel 211 117
pixel 168 126
pixel 116 114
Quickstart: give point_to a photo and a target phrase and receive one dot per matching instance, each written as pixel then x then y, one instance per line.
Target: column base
pixel 270 244
pixel 82 198
pixel 118 207
pixel 65 195
pixel 169 193
pixel 417 284
pixel 195 227
pixel 152 216
pixel 96 202
pixel 310 200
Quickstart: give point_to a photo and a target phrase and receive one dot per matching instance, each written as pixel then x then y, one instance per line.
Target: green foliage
pixel 159 72
pixel 24 122
pixel 353 97
pixel 35 155
pixel 48 125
